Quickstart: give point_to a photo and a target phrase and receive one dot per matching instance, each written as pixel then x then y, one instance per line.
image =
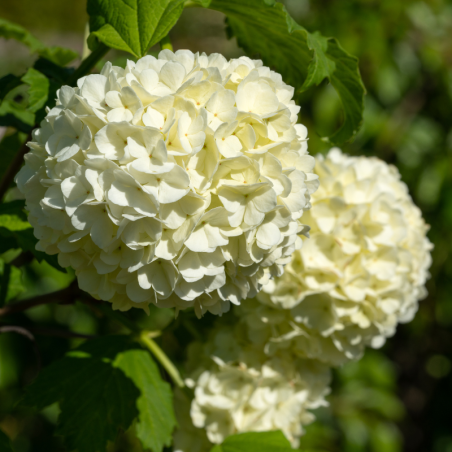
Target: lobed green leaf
pixel 134 25
pixel 265 29
pixel 38 90
pixel 102 387
pixel 96 399
pixel 8 83
pixel 156 420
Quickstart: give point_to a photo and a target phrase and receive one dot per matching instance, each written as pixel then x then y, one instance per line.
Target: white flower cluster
pixel 179 180
pixel 240 389
pixel 361 272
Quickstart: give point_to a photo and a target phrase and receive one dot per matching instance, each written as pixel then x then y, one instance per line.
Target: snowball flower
pixel 361 272
pixel 237 388
pixel 178 181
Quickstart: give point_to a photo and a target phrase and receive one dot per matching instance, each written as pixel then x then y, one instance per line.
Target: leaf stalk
pixel 146 340
pixel 165 43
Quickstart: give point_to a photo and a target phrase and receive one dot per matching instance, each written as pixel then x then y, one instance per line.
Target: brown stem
pixel 13 168
pixel 60 333
pixel 22 259
pixel 64 296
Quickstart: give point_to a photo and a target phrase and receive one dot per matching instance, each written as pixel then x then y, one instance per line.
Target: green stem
pixel 165 43
pixel 146 340
pixel 88 63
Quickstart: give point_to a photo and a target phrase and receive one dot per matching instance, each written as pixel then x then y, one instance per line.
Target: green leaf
pixel 38 90
pixel 265 28
pixel 11 283
pixel 255 442
pixel 25 240
pixel 133 26
pixel 8 83
pixel 53 71
pixel 13 207
pixel 13 222
pixel 103 386
pixel 156 420
pixel 41 93
pixel 5 443
pixel 42 90
pixel 17 232
pixel 96 399
pixel 58 55
pixel 14 115
pixel 13 217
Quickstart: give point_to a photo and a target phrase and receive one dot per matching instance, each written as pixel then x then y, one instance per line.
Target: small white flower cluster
pixel 179 181
pixel 238 388
pixel 361 272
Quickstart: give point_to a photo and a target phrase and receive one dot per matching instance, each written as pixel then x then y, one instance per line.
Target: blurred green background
pixel 395 399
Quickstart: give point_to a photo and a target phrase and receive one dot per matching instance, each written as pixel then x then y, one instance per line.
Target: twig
pixel 22 259
pixel 68 295
pixel 13 168
pixel 60 333
pixel 28 335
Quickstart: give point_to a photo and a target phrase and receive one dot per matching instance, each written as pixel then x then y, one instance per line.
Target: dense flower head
pixel 361 272
pixel 179 180
pixel 238 388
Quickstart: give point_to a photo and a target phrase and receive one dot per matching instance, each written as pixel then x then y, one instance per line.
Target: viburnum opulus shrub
pixel 183 180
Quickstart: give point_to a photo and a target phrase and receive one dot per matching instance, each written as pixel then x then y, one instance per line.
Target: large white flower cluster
pixel 179 180
pixel 238 388
pixel 361 272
